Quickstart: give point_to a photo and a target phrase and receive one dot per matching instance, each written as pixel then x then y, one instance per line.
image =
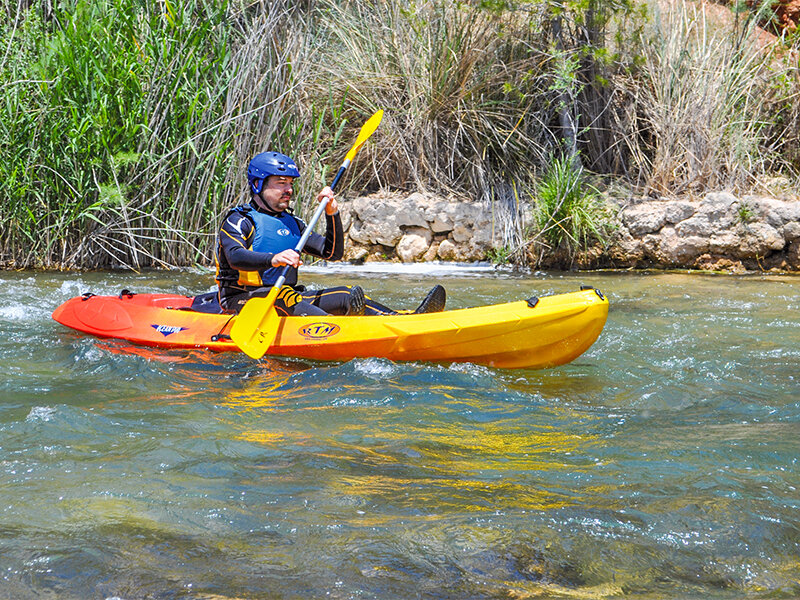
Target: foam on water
pixel 374 368
pixel 40 413
pixel 71 288
pixel 16 313
pixel 411 269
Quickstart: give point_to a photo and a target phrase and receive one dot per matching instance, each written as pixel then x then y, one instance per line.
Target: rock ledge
pixel 716 232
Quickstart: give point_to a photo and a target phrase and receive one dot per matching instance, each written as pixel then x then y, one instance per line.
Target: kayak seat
pixel 207 303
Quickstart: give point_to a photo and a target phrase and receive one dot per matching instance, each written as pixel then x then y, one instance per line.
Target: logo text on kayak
pixel 166 330
pixel 318 331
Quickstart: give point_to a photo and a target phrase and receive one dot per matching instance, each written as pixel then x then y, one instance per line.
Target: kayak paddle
pixel 255 327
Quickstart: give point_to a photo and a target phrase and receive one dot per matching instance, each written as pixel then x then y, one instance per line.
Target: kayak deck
pixel 536 333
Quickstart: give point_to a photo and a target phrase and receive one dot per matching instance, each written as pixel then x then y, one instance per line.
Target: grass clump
pixel 461 81
pixel 745 213
pixel 570 214
pixel 499 256
pixel 704 92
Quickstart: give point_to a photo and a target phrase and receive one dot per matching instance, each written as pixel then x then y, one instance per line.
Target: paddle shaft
pixel 307 232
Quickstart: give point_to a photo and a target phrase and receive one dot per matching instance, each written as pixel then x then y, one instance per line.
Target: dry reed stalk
pixel 704 97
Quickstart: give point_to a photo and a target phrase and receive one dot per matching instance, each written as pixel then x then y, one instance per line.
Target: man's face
pixel 277 192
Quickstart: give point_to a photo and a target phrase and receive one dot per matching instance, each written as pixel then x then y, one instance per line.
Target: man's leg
pixel 288 302
pixel 342 300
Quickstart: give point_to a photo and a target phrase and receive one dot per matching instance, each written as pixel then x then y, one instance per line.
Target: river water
pixel 661 463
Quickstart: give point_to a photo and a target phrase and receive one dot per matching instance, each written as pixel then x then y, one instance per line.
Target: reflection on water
pixel 662 463
pixel 466 454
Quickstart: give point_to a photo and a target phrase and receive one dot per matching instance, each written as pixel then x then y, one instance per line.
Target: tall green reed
pixel 128 123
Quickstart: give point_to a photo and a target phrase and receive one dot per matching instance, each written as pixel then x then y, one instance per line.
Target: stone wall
pixel 716 232
pixel 416 228
pixel 719 232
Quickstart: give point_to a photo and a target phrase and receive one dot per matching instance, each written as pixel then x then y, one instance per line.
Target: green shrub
pixel 745 213
pixel 570 213
pixel 500 255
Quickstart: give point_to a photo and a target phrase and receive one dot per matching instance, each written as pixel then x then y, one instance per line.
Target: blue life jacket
pixel 273 233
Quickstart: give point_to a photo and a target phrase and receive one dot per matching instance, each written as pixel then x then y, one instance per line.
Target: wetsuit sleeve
pixel 331 245
pixel 236 237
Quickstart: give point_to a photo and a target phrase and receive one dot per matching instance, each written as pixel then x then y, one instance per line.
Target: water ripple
pixel 661 463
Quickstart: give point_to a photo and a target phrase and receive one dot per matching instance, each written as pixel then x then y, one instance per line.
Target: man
pixel 257 240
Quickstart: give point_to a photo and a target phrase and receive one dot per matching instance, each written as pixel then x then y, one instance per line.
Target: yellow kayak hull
pixel 545 332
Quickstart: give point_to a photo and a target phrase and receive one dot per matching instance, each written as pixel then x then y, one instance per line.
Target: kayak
pixel 533 333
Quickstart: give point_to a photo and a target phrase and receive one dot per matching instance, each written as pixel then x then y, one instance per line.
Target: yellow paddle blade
pixel 254 329
pixel 367 129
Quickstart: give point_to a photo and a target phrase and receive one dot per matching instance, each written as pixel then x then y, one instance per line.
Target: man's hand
pixel 332 206
pixel 287 257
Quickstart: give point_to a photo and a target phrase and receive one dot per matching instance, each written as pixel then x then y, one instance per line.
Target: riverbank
pixel 126 153
pixel 717 231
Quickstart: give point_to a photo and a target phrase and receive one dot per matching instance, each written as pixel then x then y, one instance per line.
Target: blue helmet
pixel 269 163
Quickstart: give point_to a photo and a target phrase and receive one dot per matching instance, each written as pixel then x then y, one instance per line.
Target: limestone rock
pixel 431 253
pixel 356 254
pixel 674 249
pixel 461 233
pixel 759 240
pixel 483 234
pixel 379 221
pixel 718 207
pixel 791 231
pixel 644 218
pixel 412 211
pixel 447 250
pixel 697 226
pixel 679 210
pixel 626 250
pixel 441 217
pixel 793 254
pixel 708 262
pixel 442 224
pixel 414 243
pixel 778 213
pixel 717 211
pixel 386 233
pixel 725 242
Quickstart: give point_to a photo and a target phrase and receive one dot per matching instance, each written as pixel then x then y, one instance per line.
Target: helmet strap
pixel 259 201
pixel 262 204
